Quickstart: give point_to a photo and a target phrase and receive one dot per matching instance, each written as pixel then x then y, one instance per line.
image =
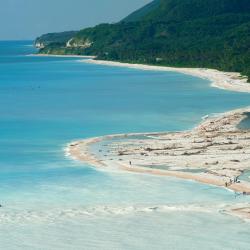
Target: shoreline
pixel 187 155
pixel 72 56
pixel 215 172
pixel 232 81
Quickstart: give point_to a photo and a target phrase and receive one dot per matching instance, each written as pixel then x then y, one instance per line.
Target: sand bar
pixel 216 152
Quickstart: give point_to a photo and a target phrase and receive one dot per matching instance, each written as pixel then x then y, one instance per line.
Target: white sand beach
pixel 71 56
pixel 224 80
pixel 216 147
pixel 214 153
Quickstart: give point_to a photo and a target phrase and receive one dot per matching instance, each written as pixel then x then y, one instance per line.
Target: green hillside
pixel 184 33
pixel 141 13
pixel 181 10
pixel 60 38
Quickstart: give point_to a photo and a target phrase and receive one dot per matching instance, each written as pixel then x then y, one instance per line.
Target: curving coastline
pixel 70 56
pixel 216 152
pixel 232 81
pixel 224 80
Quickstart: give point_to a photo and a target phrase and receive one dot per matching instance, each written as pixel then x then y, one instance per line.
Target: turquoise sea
pixel 52 202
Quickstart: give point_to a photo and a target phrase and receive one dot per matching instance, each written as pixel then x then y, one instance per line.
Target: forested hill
pixel 184 33
pixel 142 13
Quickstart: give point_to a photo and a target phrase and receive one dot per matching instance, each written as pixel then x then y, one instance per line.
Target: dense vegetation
pixel 190 33
pixel 58 39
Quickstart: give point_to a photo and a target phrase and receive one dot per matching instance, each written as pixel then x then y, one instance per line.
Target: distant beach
pixel 224 80
pixel 49 55
pixel 232 81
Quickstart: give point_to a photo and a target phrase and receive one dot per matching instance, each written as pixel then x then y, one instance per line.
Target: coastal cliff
pixel 54 39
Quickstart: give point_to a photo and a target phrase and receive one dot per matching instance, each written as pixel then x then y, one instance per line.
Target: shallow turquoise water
pixel 245 124
pixel 245 176
pixel 52 202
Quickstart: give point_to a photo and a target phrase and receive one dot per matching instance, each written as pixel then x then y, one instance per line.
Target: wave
pixel 56 214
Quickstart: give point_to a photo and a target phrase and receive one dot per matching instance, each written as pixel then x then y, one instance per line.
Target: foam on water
pixel 36 216
pixel 174 230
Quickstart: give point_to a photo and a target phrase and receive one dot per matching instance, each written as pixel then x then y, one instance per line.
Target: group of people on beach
pixel 234 180
pixel 227 184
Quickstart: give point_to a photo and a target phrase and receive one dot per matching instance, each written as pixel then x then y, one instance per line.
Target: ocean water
pixel 52 202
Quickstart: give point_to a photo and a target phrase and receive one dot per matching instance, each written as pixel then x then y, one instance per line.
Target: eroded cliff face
pixel 54 39
pixel 74 43
pixel 39 45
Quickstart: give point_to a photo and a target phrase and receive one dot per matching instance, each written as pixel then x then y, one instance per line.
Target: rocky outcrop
pixel 39 45
pixel 73 43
